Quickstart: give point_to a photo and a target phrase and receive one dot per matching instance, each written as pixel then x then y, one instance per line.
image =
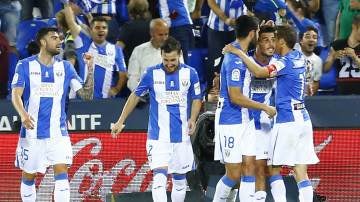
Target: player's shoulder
pixel 190 68
pixel 28 59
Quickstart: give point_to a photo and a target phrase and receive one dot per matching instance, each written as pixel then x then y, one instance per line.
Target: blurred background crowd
pixel 328 35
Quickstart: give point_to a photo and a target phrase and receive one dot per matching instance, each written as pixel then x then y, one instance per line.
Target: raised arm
pixel 70 21
pixel 87 91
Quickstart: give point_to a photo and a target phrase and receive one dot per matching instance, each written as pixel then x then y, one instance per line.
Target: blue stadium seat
pixel 26 32
pixel 197 59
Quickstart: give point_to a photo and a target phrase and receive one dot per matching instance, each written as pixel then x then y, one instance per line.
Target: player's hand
pixel 230 21
pixel 116 129
pixel 271 111
pixel 192 126
pixel 28 122
pixel 230 49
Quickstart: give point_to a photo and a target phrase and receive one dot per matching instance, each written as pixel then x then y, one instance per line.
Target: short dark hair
pixel 245 24
pixel 308 28
pixel 98 19
pixel 267 29
pixel 356 20
pixel 287 33
pixel 43 32
pixel 170 44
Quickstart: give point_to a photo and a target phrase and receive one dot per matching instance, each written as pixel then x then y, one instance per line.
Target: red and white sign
pixel 103 165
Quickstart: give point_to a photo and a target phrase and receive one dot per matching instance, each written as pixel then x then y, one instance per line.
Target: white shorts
pixel 262 144
pixel 291 144
pixel 178 157
pixel 234 141
pixel 35 155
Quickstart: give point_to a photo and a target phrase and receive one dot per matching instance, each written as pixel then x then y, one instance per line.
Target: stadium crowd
pixel 202 27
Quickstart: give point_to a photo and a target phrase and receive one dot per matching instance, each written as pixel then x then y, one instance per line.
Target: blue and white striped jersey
pixel 175 12
pixel 233 73
pixel 45 91
pixel 231 8
pixel 261 91
pixel 107 7
pixel 289 98
pixel 108 58
pixel 171 95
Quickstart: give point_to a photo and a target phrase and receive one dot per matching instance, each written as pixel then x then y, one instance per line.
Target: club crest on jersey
pixel 235 75
pixel 59 74
pixel 185 83
pixel 227 153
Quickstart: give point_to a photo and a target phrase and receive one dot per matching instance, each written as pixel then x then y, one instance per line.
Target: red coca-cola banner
pixel 103 165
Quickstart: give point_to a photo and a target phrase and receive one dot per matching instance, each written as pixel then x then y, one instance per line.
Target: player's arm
pixel 255 69
pixel 129 106
pixel 217 10
pixel 26 119
pixel 236 97
pixel 195 109
pixel 87 91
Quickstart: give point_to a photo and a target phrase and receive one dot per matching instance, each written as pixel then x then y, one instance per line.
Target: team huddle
pixel 247 138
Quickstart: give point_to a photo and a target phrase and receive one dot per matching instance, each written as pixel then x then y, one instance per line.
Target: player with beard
pixel 43 82
pixel 262 90
pixel 291 141
pixel 175 101
pixel 235 138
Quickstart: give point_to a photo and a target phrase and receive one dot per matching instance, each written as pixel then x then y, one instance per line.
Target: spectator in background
pixel 136 31
pixel 46 8
pixel 177 16
pixel 147 54
pixel 110 69
pixel 345 54
pixel 4 67
pixel 107 9
pixel 9 19
pixel 314 64
pixel 269 10
pixel 347 10
pixel 329 9
pixel 220 31
pixel 300 15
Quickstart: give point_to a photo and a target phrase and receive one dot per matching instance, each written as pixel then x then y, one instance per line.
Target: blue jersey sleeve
pixel 144 85
pixel 195 91
pixel 119 60
pixel 234 71
pixel 19 76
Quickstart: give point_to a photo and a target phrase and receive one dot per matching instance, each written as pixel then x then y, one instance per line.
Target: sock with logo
pixel 178 191
pixel 247 188
pixel 62 188
pixel 260 196
pixel 305 191
pixel 159 185
pixel 27 190
pixel 278 190
pixel 223 189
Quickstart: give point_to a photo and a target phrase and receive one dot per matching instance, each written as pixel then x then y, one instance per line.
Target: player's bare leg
pixel 27 188
pixel 303 182
pixel 247 183
pixel 260 183
pixel 227 182
pixel 277 185
pixel 62 186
